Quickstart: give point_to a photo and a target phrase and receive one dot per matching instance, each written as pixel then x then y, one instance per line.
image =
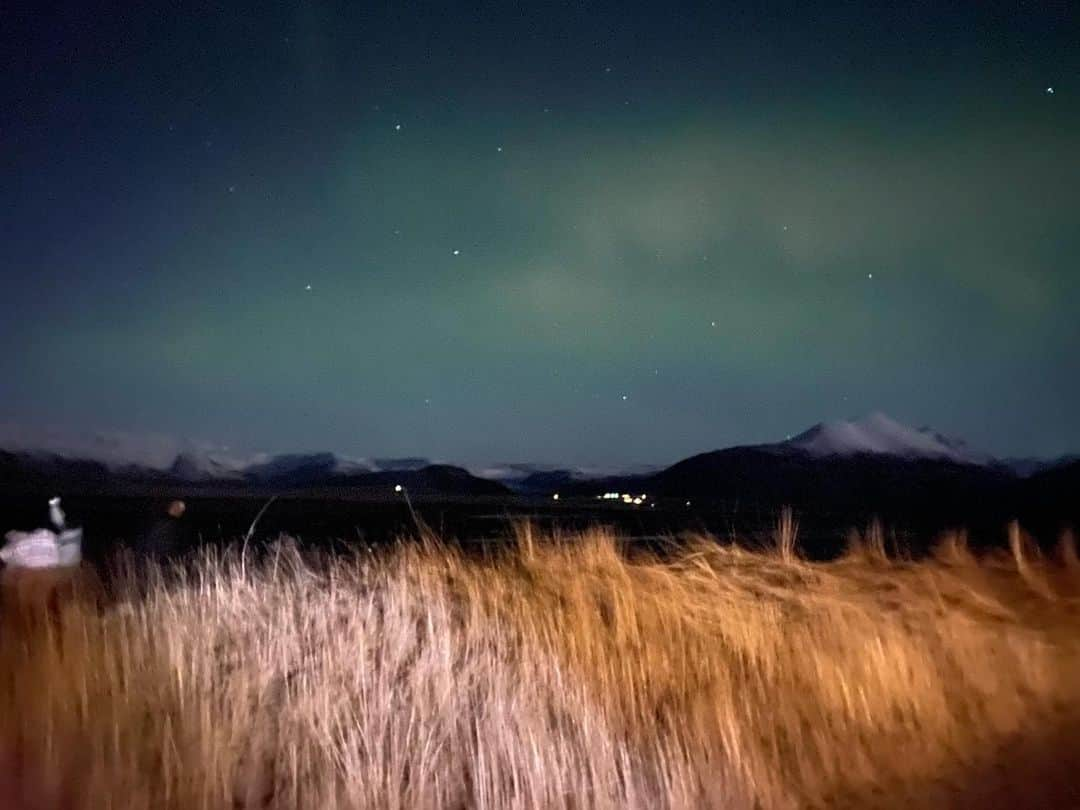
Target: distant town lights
pixel 625 497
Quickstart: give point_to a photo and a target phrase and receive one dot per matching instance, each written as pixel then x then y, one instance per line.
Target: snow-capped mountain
pixel 135 453
pixel 303 467
pixel 121 449
pixel 528 478
pixel 879 434
pixel 512 472
pixel 195 466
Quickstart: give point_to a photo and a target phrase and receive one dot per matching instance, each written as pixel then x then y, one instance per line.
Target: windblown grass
pixel 561 673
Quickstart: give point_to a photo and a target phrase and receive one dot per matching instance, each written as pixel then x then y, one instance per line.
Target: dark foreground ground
pixel 113 522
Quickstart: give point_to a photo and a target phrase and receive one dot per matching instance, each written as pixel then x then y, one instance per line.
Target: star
pixel 498 148
pixel 869 275
pixel 1049 91
pixel 232 189
pixel 713 323
pixel 624 397
pixel 397 127
pixel 457 252
pixel 308 288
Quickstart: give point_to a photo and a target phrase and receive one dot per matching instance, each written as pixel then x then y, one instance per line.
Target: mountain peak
pixel 879 434
pixel 200 466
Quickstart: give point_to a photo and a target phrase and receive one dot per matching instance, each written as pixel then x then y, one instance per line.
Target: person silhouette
pixel 164 538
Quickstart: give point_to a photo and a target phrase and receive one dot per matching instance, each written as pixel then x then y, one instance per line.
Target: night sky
pixel 580 233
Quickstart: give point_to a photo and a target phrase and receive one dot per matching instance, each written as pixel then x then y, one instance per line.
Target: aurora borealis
pixel 584 233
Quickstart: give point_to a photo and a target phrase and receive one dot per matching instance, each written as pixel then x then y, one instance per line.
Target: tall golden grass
pixel 562 672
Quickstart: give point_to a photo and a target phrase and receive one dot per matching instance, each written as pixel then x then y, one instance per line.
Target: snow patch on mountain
pixel 511 473
pixel 290 466
pixel 881 435
pixel 121 449
pixel 401 464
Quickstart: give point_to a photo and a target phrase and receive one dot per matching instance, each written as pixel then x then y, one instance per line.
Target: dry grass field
pixel 563 672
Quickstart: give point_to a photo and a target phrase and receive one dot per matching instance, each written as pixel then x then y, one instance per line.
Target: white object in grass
pixel 42 548
pixel 56 514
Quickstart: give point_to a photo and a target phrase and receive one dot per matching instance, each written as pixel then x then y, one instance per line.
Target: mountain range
pixel 35 471
pixel 835 465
